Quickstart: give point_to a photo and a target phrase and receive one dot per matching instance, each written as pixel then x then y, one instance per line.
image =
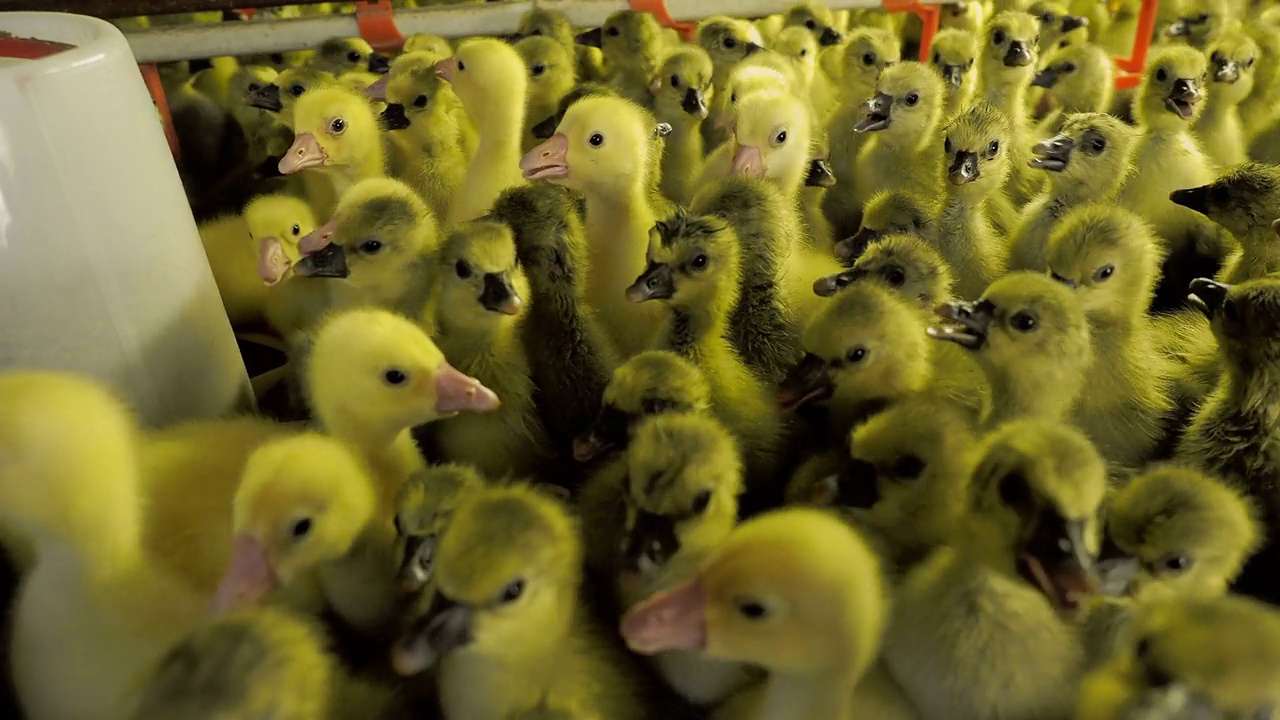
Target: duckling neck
pixel 352 425
pixel 617 227
pixel 500 131
pixel 1007 91
pixel 828 696
pixel 1014 397
pixel 1253 390
pixel 1259 252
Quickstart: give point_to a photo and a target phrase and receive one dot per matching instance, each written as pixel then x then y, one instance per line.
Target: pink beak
pixel 248 579
pixel 447 67
pixel 458 392
pixel 378 90
pixel 748 161
pixel 272 262
pixel 550 160
pixel 305 153
pixel 671 620
pixel 318 239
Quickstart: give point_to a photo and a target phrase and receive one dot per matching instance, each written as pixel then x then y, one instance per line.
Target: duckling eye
pixel 420 101
pixel 701 501
pixel 512 592
pixel 734 98
pixel 779 139
pixel 613 32
pixel 1216 57
pixel 993 148
pixel 857 354
pixel 908 467
pixel 675 81
pixel 538 69
pixel 353 56
pixel 1142 649
pixel 300 528
pixel 1047 18
pixel 752 610
pixel 804 52
pixel 730 43
pixel 1014 491
pixel 896 276
pixel 1098 145
pixel 997 37
pixel 946 145
pixel 1068 67
pixel 1177 563
pixel 371 247
pixel 596 140
pixel 462 269
pixel 1162 75
pixel 337 126
pixel 700 262
pixel 1104 273
pixel 1023 321
pixel 912 99
pixel 297 90
pixel 297 230
pixel 395 377
pixel 1229 310
pixel 1248 63
pixel 869 58
pixel 811 24
pixel 462 65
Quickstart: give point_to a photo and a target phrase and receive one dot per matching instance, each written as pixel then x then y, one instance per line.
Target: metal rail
pixel 133 8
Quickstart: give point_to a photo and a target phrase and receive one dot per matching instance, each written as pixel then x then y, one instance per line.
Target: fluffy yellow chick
pixel 551 76
pixel 682 91
pixel 276 224
pixel 1220 127
pixel 771 140
pixel 954 54
pixel 342 55
pixel 336 132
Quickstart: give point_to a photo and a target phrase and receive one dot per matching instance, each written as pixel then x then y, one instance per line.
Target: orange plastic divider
pixel 151 76
pixel 930 17
pixel 377 22
pixel 658 8
pixel 1129 70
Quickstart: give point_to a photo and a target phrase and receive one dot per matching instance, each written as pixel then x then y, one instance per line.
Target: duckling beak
pixel 954 75
pixel 446 68
pixel 878 116
pixel 1207 296
pixel 1182 28
pixel 267 98
pixel 964 169
pixel 808 382
pixel 1196 198
pixel 249 576
pixel 1073 22
pixel 545 129
pixel 1053 154
pixel 379 64
pixel 1046 78
pixel 1018 54
pixel 752 49
pixel 304 154
pixel 273 264
pixel 671 620
pixel 378 90
pixel 1064 280
pixel 655 283
pixel 1226 72
pixel 550 160
pixel 650 544
pixel 820 174
pixel 749 161
pixel 318 239
pixel 695 103
pixel 592 38
pixel 607 432
pixel 832 284
pixel 499 296
pixel 852 247
pixel 393 117
pixel 1116 570
pixel 446 626
pixel 830 37
pixel 1183 97
pixel 966 323
pixel 1057 560
pixel 329 261
pixel 417 563
pixel 457 392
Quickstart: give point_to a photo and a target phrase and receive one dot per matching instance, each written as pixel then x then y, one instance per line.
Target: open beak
pixel 304 154
pixel 267 98
pixel 832 284
pixel 820 174
pixel 550 160
pixel 1073 22
pixel 655 283
pixel 377 91
pixel 379 64
pixel 446 68
pixel 249 576
pixel 498 295
pixel 749 161
pixel 457 392
pixel 830 37
pixel 328 262
pixel 1046 78
pixel 273 264
pixel 1183 98
pixel 954 75
pixel 965 323
pixel 964 169
pixel 694 103
pixel 1018 55
pixel 1226 72
pixel 1208 296
pixel 1053 154
pixel 851 248
pixel 1196 198
pixel 592 38
pixel 1057 561
pixel 445 627
pixel 671 620
pixel 393 117
pixel 808 382
pixel 877 111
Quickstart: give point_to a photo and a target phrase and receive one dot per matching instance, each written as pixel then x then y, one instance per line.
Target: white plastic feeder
pixel 101 268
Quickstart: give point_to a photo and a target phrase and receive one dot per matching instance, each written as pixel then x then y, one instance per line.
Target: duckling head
pixel 248 83
pixel 651 383
pixel 550 66
pixel 870 50
pixel 1231 60
pixel 540 22
pixel 281 95
pixel 1078 77
pixel 625 36
pixel 426 43
pixel 601 144
pixel 865 345
pixel 1058 27
pixel 333 128
pixel 416 96
pixel 816 20
pixel 1244 318
pixel 798 45
pixel 427 500
pixel 1245 197
pixel 750 78
pixel 1092 153
pixel 1012 40
pixel 486 74
pixel 1192 658
pixel 1109 257
pixel 378 228
pixel 1172 91
pixel 976 150
pixel 342 55
pixel 888 212
pixel 683 85
pixel 302 501
pixel 507 571
pixel 727 40
pixel 904 264
pixel 795 591
pixel 1036 493
pixel 693 263
pixel 1197 23
pixel 276 224
pixel 481 283
pixel 954 53
pixel 379 369
pixel 1175 532
pixel 684 475
pixel 907 103
pixel 772 138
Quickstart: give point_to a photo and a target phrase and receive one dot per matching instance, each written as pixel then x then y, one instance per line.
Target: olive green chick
pixel 1220 127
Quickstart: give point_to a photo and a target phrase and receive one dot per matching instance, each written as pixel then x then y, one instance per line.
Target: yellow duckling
pixel 632 44
pixel 1220 127
pixel 426 502
pixel 427 43
pixel 344 55
pixel 682 91
pixel 551 77
pixel 1076 79
pixel 542 22
pixel 954 54
pixel 336 133
pixel 281 95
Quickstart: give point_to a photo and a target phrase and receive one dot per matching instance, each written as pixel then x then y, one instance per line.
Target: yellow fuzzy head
pixel 798 45
pixel 813 17
pixel 684 84
pixel 488 73
pixel 432 45
pixel 1079 78
pixel 1109 257
pixel 657 381
pixel 750 78
pixel 776 127
pixel 896 212
pixel 630 33
pixel 1092 155
pixel 305 499
pixel 382 226
pixel 342 55
pixel 342 123
pixel 607 144
pixel 1011 42
pixel 693 263
pixel 293 83
pixel 1058 27
pixel 249 80
pixel 954 53
pixel 1196 22
pixel 915 96
pixel 481 285
pixel 909 267
pixel 1174 532
pixel 549 64
pixel 1243 199
pixel 427 99
pixel 282 217
pixel 540 22
pixel 727 40
pixel 1172 92
pixel 1231 60
pixel 868 52
pixel 977 150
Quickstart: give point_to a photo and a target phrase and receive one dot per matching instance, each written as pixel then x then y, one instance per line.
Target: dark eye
pixel 701 501
pixel 909 467
pixel 462 65
pixel 353 56
pixel 937 59
pixel 613 32
pixel 993 148
pixel 1162 75
pixel 946 146
pixel 337 126
pixel 811 24
pixel 463 269
pixel 857 354
pixel 538 69
pixel 1023 321
pixel 699 262
pixel 420 101
pixel 997 37
pixel 675 81
pixel 780 138
pixel 371 247
pixel 1177 563
pixel 869 58
pixel 1047 18
pixel 752 610
pixel 804 52
pixel 1098 145
pixel 596 140
pixel 912 99
pixel 301 528
pixel 730 43
pixel 297 90
pixel 734 98
pixel 513 591
pixel 1068 67
pixel 1230 311
pixel 1248 63
pixel 896 276
pixel 1104 273
pixel 395 376
pixel 297 230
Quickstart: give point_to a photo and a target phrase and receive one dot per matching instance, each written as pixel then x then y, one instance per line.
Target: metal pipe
pixel 133 8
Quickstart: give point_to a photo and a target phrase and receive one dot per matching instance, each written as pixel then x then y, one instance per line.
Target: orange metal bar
pixel 151 76
pixel 377 22
pixel 658 8
pixel 930 17
pixel 1130 68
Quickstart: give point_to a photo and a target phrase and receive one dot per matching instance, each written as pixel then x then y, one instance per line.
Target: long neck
pixel 617 224
pixel 1017 395
pixel 1007 91
pixel 351 425
pixel 1260 249
pixel 500 128
pixel 828 696
pixel 1254 390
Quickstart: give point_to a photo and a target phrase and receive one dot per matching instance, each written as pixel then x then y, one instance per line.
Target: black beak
pixel 1072 22
pixel 752 49
pixel 1046 78
pixel 593 38
pixel 650 544
pixel 1064 280
pixel 498 295
pixel 448 625
pixel 393 117
pixel 328 262
pixel 964 169
pixel 1116 569
pixel 1182 28
pixel 1053 154
pixel 1226 72
pixel 267 98
pixel 1018 55
pixel 1208 296
pixel 877 110
pixel 1056 559
pixel 417 562
pixel 832 284
pixel 195 66
pixel 694 103
pixel 857 486
pixel 851 248
pixel 953 74
pixel 807 383
pixel 655 283
pixel 379 64
pixel 545 129
pixel 966 323
pixel 610 431
pixel 830 36
pixel 1196 198
pixel 820 174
